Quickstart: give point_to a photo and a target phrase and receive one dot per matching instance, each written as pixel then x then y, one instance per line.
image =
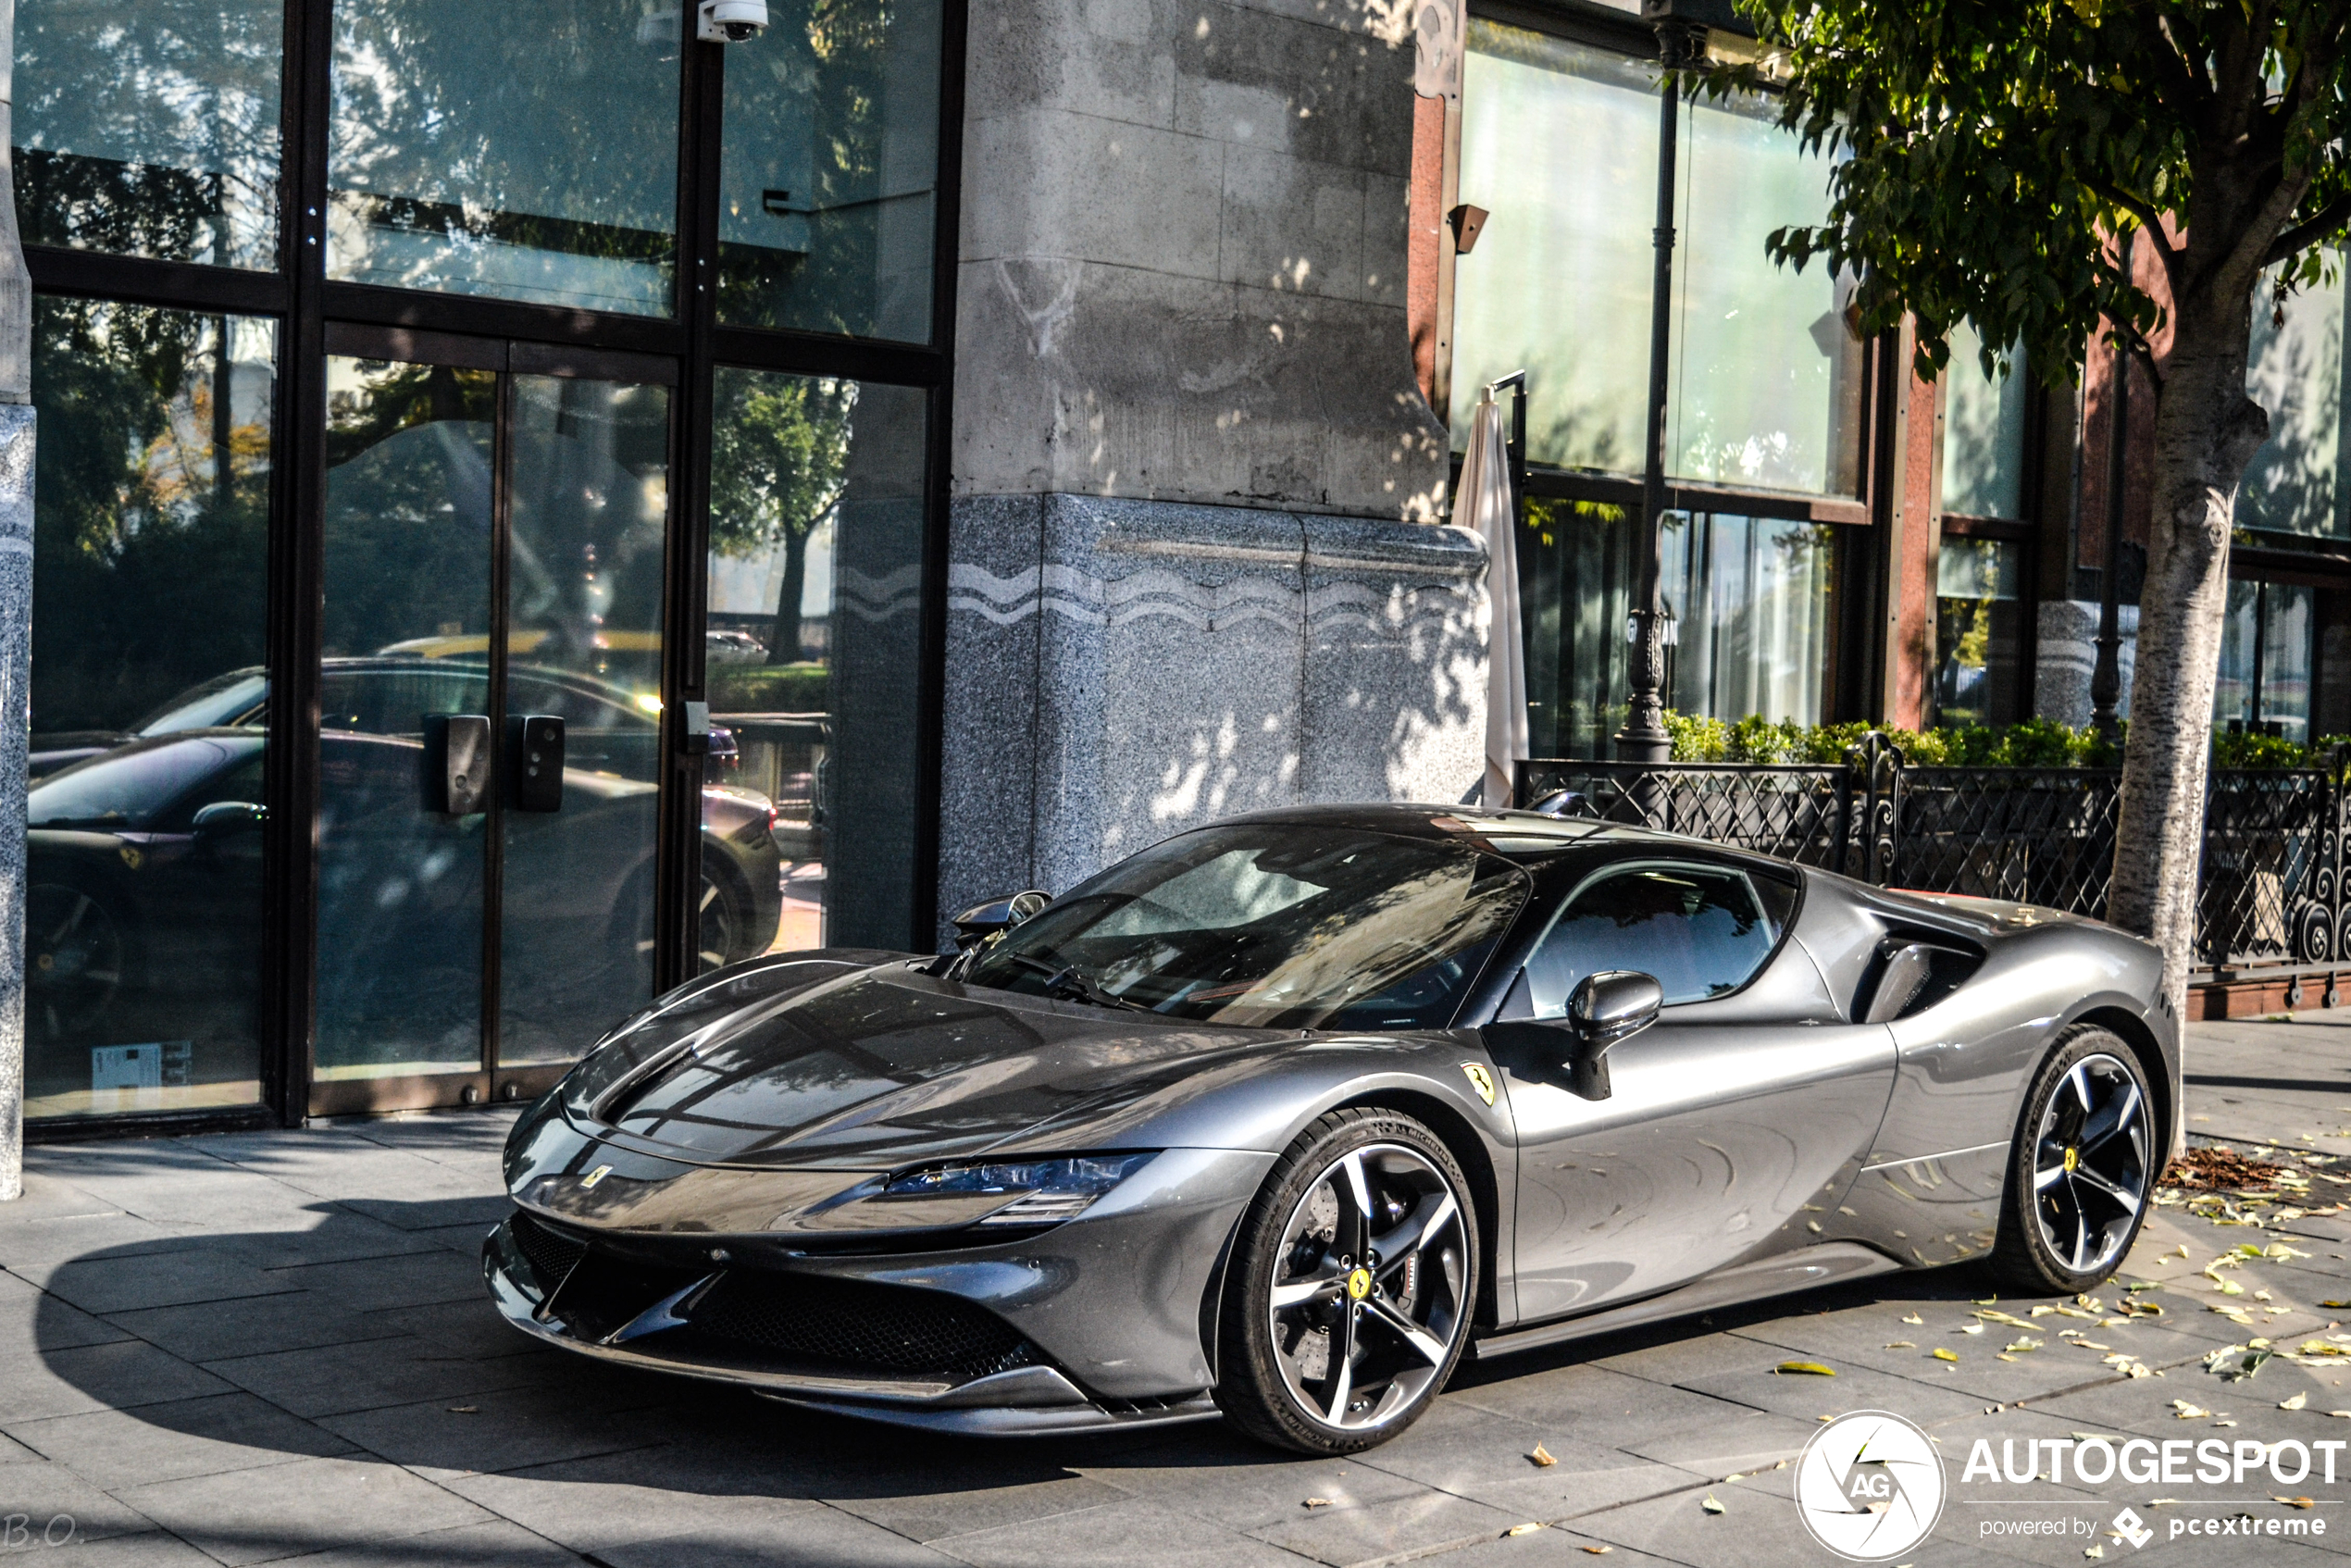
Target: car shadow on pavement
pixel 370 1333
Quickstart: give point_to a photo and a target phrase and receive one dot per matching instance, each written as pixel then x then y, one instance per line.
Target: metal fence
pixel 2271 895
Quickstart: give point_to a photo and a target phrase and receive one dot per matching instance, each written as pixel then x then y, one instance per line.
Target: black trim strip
pixel 808 354
pixel 137 280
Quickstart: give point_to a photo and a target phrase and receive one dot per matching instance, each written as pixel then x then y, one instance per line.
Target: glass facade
pixel 815 561
pixel 1979 632
pixel 2294 370
pixel 829 171
pixel 145 879
pixel 537 161
pixel 1578 569
pixel 1534 109
pixel 1749 598
pixel 2266 644
pixel 1984 431
pixel 150 130
pixel 1766 386
pixel 504 808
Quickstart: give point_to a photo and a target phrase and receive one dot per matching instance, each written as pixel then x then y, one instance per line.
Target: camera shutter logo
pixel 1870 1486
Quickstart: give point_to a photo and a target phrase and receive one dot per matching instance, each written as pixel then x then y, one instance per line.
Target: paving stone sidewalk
pixel 251 1349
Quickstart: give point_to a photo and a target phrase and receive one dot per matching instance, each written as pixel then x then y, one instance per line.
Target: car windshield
pixel 129 786
pixel 1276 925
pixel 222 699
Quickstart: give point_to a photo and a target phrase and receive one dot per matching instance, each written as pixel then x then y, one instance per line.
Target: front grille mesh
pixel 550 1256
pixel 850 1323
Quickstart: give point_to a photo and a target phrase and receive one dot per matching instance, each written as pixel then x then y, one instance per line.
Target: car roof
pixel 1525 837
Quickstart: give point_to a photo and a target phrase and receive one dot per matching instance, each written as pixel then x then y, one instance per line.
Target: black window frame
pixel 309 311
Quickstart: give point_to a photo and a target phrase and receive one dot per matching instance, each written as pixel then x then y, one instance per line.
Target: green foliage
pixel 778 461
pixel 2035 743
pixel 1986 153
pixel 769 689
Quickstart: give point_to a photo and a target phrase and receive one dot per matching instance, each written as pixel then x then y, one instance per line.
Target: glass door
pixel 489 722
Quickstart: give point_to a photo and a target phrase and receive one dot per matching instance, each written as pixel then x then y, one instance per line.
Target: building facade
pixel 532 508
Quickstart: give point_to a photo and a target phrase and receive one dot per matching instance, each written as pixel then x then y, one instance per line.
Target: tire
pixel 723 916
pixel 2073 1204
pixel 1299 1287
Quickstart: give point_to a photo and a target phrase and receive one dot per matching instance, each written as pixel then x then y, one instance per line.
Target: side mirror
pixel 222 821
pixel 982 921
pixel 1613 1005
pixel 1604 1010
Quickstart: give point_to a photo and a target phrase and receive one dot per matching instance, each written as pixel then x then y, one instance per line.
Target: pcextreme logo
pixel 1870 1486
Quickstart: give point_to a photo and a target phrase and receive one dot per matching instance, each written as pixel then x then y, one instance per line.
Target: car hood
pixel 884 1065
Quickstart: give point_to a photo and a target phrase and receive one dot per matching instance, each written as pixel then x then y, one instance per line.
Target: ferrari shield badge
pixel 1480 1081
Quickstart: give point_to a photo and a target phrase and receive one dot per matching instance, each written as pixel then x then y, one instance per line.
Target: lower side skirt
pixel 1827 1263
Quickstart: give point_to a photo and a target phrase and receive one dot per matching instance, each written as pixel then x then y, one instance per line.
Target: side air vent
pixel 1911 974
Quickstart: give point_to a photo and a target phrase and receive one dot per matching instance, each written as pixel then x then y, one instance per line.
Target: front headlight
pixel 1049 1190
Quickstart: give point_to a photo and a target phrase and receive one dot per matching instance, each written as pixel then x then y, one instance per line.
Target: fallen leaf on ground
pixel 1524 1529
pixel 1542 1457
pixel 1710 1504
pixel 2187 1412
pixel 1810 1368
pixel 1599 1550
pixel 1912 1318
pixel 2294 1403
pixel 1972 1328
pixel 1316 1502
pixel 2290 1503
pixel 1901 1344
pixel 1945 1355
pixel 465 1410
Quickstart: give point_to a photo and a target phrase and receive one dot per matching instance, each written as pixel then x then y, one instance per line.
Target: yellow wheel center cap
pixel 2072 1159
pixel 1358 1284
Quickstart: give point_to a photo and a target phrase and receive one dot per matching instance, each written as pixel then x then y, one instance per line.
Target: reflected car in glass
pixel 144 872
pixel 387 693
pixel 1285 1117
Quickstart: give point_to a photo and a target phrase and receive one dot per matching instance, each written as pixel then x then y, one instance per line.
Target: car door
pixel 1732 1123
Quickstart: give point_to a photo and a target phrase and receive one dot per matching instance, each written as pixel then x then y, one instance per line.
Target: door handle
pixel 535 761
pixel 456 764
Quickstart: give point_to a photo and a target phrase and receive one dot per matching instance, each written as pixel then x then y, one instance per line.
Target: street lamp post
pixel 1644 737
pixel 2106 676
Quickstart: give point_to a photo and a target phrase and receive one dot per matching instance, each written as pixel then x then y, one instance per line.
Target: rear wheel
pixel 2080 1168
pixel 1352 1282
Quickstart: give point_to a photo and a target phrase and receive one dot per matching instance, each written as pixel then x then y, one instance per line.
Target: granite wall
pixel 2066 654
pixel 1119 670
pixel 1193 565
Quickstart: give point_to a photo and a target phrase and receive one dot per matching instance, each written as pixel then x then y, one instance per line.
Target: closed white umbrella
pixel 1483 506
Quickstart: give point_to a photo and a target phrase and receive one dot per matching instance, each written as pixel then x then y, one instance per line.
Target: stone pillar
pixel 16 627
pixel 1195 560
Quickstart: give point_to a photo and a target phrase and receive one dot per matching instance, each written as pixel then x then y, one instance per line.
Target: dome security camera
pixel 730 22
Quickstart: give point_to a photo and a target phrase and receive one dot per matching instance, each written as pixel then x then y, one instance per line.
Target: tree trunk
pixel 783 643
pixel 2205 432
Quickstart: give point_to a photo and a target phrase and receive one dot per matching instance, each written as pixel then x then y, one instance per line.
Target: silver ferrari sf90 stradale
pixel 1281 1118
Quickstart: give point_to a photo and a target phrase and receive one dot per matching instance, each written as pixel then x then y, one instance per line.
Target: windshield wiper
pixel 1063 980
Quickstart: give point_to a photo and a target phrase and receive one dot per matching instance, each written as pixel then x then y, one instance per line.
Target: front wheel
pixel 2080 1169
pixel 1353 1280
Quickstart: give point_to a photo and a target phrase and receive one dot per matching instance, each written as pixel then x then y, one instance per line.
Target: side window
pixel 1702 930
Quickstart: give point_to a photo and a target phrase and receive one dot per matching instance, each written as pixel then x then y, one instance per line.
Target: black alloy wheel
pixel 1351 1289
pixel 75 960
pixel 2081 1168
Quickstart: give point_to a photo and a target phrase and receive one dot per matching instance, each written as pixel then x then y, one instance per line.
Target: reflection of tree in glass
pixel 407 523
pixel 150 130
pixel 457 121
pixel 150 553
pixel 780 452
pixel 2297 374
pixel 853 82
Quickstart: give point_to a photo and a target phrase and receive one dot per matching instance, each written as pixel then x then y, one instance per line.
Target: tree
pixel 780 450
pixel 1991 154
